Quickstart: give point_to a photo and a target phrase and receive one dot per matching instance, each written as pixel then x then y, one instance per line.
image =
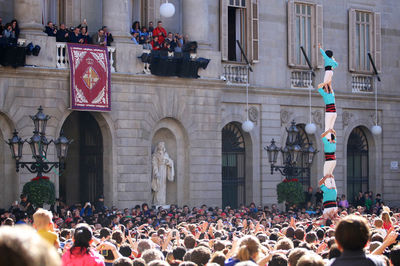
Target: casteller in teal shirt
pixel 329 98
pixel 329 147
pixel 329 194
pixel 328 60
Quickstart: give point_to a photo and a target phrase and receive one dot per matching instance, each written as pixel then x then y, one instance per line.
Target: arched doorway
pixel 357 163
pixel 82 180
pixel 233 166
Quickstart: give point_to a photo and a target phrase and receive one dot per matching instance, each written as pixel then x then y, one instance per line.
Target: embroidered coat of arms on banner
pixel 90 77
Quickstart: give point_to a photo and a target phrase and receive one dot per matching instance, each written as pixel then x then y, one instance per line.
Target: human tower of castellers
pixel 327 183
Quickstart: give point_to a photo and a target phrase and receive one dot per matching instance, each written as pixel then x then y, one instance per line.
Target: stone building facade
pixel 216 162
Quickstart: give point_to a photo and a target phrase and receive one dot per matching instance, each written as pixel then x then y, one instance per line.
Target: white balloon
pixel 167 10
pixel 247 126
pixel 311 128
pixel 376 130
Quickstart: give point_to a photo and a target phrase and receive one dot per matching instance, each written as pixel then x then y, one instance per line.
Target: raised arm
pixel 322 180
pixel 390 239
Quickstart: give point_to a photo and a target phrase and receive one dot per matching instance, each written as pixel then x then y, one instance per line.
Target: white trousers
pixel 330 213
pixel 330 119
pixel 329 166
pixel 328 75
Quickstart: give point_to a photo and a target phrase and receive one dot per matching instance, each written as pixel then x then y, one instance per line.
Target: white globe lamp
pixel 247 126
pixel 167 10
pixel 376 130
pixel 311 128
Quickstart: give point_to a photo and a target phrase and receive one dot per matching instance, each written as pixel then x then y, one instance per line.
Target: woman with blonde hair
pixel 249 247
pixel 387 222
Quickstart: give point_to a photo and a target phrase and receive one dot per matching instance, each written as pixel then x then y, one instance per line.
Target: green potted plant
pixel 40 190
pixel 290 191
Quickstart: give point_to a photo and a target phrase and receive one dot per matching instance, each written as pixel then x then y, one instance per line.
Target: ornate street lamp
pixel 39 146
pixel 293 133
pixel 285 155
pixel 295 152
pixel 62 144
pixel 291 154
pixel 308 154
pixel 16 144
pixel 40 121
pixel 272 152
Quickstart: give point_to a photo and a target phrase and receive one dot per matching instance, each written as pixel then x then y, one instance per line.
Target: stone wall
pixel 148 109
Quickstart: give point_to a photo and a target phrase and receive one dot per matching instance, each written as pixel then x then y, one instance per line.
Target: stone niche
pixel 165 135
pixel 173 134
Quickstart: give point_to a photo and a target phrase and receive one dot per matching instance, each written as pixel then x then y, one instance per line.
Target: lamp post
pixel 291 154
pixel 39 145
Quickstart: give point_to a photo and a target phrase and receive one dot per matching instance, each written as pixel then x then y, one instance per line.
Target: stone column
pixel 195 22
pixel 116 18
pixel 197 18
pixel 29 16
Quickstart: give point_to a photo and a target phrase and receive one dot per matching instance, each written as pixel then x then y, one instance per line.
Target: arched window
pixel 357 164
pixel 233 166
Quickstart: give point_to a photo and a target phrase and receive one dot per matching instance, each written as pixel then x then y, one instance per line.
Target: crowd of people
pixel 158 39
pixel 9 32
pixel 151 38
pixel 92 234
pixel 366 200
pixel 79 34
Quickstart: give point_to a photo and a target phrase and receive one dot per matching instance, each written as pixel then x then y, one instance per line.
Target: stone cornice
pixel 57 74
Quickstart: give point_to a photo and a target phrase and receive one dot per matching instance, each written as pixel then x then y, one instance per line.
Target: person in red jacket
pixel 155 43
pixel 160 32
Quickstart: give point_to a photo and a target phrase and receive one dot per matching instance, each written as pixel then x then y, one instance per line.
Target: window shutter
pixel 254 30
pixel 319 21
pixel 291 33
pixel 223 36
pixel 377 41
pixel 352 36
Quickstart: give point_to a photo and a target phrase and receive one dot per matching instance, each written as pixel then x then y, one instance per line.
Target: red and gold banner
pixel 90 77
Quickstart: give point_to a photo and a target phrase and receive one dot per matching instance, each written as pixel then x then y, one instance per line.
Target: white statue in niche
pixel 163 169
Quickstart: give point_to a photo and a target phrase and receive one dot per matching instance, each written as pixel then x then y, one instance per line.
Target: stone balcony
pixel 123 56
pixel 63 59
pixel 235 72
pixel 362 83
pixel 301 79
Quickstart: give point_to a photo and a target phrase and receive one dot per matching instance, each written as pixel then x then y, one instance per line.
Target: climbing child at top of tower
pixel 330 64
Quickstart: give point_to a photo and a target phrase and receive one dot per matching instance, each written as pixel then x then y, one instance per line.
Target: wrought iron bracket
pixel 289 171
pixel 40 167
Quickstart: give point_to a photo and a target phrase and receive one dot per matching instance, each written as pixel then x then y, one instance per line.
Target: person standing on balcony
pixel 50 30
pixel 62 34
pixel 108 36
pixel 15 28
pixel 99 38
pixel 135 38
pixel 75 37
pixel 135 27
pixel 8 34
pixel 160 32
pixel 151 27
pixel 84 36
pixel 155 43
pixel 143 36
